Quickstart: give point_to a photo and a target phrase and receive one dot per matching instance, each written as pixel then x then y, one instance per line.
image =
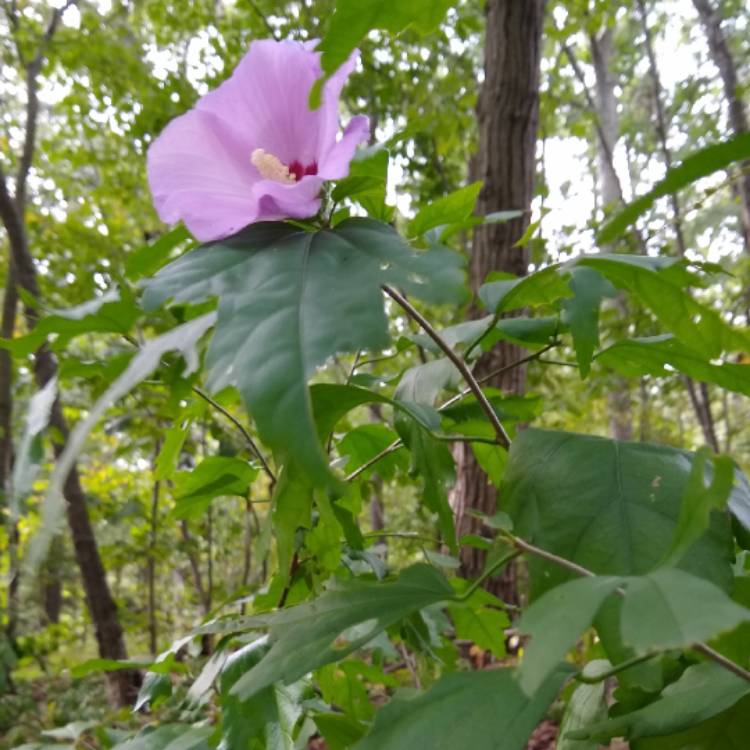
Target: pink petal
pixel 278 200
pixel 265 101
pixel 200 174
pixel 329 107
pixel 335 164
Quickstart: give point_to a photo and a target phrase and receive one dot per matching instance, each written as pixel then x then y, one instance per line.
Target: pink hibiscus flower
pixel 253 150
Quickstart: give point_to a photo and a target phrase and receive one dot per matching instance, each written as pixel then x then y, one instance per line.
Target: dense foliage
pixel 265 423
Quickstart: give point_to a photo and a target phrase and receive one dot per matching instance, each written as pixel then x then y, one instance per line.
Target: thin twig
pixel 236 422
pixel 461 366
pixel 396 444
pixel 532 549
pixel 500 371
pixel 621 667
pixel 701 648
pixel 271 30
pixel 504 560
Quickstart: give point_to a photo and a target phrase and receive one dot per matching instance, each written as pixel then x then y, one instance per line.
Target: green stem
pixel 701 648
pixel 504 560
pixel 594 679
pixel 414 314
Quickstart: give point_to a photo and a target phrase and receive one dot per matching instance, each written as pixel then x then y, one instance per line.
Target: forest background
pixel 584 106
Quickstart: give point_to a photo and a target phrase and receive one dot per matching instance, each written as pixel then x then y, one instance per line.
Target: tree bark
pixel 701 403
pixel 7 327
pixel 738 117
pixel 508 115
pixel 151 564
pixel 123 684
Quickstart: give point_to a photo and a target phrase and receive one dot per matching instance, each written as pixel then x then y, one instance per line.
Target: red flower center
pixel 296 169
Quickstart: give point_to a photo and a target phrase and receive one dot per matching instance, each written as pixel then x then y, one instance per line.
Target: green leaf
pixel 660 612
pixel 354 19
pixel 289 300
pixel 582 313
pixel 266 719
pixel 332 401
pixel 703 691
pixel 695 325
pixel 112 312
pixel 423 383
pixel 310 635
pixel 292 510
pixel 364 443
pixel 160 666
pixel 215 476
pixel 453 208
pixel 30 451
pixel 661 355
pixel 149 258
pixel 538 288
pixel 166 462
pixel 432 460
pixel 610 506
pixel 477 621
pixel 477 710
pixel 71 731
pixel 183 339
pixel 704 162
pixel 555 621
pixel 367 182
pixel 339 731
pixel 726 731
pixel 586 706
pixel 155 688
pixel 169 737
pixel 699 501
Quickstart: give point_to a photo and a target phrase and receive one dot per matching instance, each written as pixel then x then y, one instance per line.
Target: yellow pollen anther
pixel 271 167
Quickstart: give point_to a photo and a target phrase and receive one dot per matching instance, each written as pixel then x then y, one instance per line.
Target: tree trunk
pixel 508 114
pixel 738 118
pixel 619 401
pixel 123 684
pixel 151 564
pixel 7 327
pixel 702 403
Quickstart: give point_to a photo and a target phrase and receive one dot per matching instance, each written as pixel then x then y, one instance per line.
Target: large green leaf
pixel 555 621
pixel 610 506
pixel 477 710
pixel 310 635
pixel 704 162
pixel 265 720
pixel 661 355
pixel 672 609
pixel 726 731
pixel 289 300
pixel 703 691
pixel 695 325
